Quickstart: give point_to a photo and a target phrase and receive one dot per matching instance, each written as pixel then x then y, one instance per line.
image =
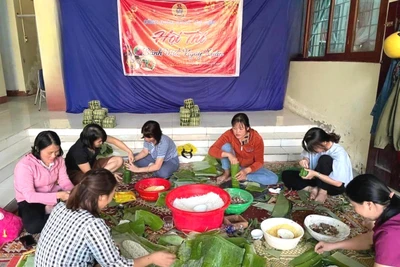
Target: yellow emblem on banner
pixel 179 10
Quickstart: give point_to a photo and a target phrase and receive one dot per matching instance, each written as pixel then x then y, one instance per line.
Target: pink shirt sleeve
pixel 24 183
pixel 63 180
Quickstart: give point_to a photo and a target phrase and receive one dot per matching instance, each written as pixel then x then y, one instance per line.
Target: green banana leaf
pixel 137 226
pixel 209 251
pixel 129 216
pixel 344 259
pixel 211 160
pixel 150 219
pixel 208 173
pixel 312 259
pixel 146 244
pixel 254 187
pixel 265 206
pixel 282 206
pixel 201 165
pixel 183 174
pixel 129 227
pixel 170 239
pixel 203 168
pixel 161 199
pixel 112 204
pixel 251 259
pixel 134 209
pixel 238 241
pixel 122 228
pixel 306 256
pixel 109 218
pixel 254 184
pixel 304 195
pixel 105 150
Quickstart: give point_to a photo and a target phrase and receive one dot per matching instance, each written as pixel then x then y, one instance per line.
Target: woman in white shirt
pixel 327 163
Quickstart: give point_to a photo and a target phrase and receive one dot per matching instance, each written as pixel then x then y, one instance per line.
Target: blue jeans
pixel 167 167
pixel 262 176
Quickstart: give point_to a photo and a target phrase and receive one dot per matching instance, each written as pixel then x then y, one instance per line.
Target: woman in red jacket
pixel 245 146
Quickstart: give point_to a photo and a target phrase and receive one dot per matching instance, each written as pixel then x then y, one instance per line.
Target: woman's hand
pixel 241 175
pixel 321 247
pixel 305 163
pixel 63 195
pixel 118 177
pixel 162 258
pixel 131 157
pixel 132 167
pixel 311 174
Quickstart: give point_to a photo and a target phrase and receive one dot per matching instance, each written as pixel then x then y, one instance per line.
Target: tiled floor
pixel 19 114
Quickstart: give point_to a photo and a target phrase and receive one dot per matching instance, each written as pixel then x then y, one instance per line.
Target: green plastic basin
pixel 239 208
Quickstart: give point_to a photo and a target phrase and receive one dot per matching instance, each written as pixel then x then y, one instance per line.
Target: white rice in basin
pixel 211 200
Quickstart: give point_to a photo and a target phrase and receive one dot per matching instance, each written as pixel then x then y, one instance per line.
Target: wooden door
pixel 385 163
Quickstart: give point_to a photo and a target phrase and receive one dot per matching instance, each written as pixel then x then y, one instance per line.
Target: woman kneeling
pixel 74 235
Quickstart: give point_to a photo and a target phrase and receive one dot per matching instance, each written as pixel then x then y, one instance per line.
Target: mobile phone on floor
pixel 28 241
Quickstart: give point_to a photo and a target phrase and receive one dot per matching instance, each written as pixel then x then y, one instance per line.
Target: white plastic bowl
pixel 279 243
pixel 343 229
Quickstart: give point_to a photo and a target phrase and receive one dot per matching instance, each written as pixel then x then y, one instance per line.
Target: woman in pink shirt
pixel 40 180
pixel 373 200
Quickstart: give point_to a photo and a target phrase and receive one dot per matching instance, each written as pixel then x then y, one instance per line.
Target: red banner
pixel 186 38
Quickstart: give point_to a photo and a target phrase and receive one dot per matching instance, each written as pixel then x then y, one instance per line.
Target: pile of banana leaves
pixel 312 259
pixel 135 221
pixel 200 250
pixel 200 172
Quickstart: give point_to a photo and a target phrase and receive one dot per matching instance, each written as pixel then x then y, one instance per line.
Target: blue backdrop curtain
pixel 93 70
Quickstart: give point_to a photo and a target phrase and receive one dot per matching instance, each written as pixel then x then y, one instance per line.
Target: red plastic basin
pixel 151 195
pixel 186 221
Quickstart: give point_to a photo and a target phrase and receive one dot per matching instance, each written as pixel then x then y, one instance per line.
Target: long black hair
pixel 152 129
pixel 315 137
pixel 242 119
pixel 85 194
pixel 91 133
pixel 367 187
pixel 45 139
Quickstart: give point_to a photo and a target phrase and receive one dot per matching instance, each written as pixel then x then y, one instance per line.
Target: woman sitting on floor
pixel 245 146
pixel 81 157
pixel 328 165
pixel 75 235
pixel 158 155
pixel 373 200
pixel 40 179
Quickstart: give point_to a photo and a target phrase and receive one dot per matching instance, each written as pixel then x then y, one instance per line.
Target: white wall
pixel 10 48
pixel 28 41
pixel 339 96
pixel 3 91
pixel 49 36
